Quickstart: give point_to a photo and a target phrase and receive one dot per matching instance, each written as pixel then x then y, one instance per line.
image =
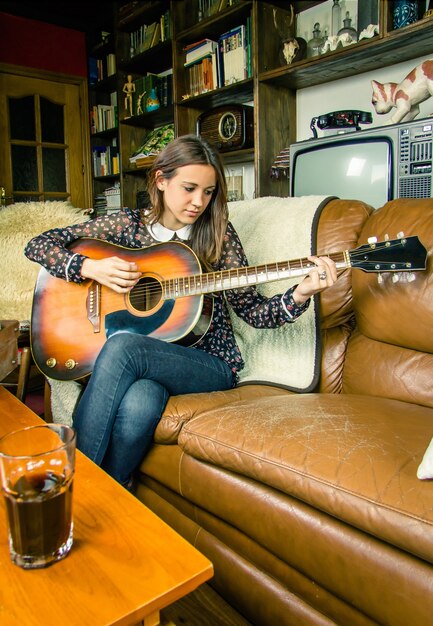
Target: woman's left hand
pixel 322 275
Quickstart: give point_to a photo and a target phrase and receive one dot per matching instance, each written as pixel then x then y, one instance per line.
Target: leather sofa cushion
pixel 180 409
pixel 406 307
pixel 284 537
pixel 352 456
pixel 392 352
pixel 381 369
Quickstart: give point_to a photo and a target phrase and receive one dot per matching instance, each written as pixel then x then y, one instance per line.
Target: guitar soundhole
pixel 146 294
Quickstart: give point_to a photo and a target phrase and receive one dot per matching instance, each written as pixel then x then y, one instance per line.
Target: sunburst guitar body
pixel 71 322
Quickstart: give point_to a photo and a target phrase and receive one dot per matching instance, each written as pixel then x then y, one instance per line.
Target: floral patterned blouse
pixel 127 229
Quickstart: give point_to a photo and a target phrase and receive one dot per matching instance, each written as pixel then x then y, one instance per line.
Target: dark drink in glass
pixel 37 470
pixel 39 510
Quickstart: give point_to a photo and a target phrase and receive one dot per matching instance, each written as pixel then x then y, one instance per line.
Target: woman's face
pixel 186 195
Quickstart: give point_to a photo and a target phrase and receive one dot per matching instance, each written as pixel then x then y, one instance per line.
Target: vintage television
pixel 374 165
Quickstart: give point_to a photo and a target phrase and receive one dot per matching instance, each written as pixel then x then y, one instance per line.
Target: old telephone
pixel 340 120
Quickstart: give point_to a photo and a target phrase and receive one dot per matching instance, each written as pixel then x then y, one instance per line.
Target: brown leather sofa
pixel 309 504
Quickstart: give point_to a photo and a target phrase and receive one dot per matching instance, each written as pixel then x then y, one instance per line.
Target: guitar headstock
pixel 404 254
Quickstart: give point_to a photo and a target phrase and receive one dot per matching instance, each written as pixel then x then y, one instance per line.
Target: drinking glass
pixel 37 469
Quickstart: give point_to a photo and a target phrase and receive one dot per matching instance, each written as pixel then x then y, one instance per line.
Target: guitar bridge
pixel 93 305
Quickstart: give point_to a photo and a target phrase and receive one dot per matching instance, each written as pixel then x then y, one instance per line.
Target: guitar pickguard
pixel 124 321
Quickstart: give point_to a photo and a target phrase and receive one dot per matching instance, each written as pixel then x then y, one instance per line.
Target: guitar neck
pixel 244 276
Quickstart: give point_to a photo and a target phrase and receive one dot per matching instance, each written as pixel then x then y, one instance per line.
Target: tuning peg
pixel 379 279
pixel 395 277
pixel 407 277
pixel 372 240
pixel 400 235
pixel 386 237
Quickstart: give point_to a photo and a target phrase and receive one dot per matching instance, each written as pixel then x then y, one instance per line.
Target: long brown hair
pixel 209 230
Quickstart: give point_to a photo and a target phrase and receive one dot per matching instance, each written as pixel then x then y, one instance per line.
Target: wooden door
pixel 44 144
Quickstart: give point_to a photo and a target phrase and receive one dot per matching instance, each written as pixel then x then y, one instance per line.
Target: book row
pixel 104 116
pixel 149 35
pixel 99 69
pixel 105 160
pixel 213 64
pixel 207 8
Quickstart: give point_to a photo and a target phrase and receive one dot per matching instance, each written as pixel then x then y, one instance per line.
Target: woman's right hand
pixel 115 273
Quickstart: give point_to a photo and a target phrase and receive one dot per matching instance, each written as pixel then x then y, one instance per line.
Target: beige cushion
pixel 271 230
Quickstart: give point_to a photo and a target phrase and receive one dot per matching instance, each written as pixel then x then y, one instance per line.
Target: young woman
pixel 134 374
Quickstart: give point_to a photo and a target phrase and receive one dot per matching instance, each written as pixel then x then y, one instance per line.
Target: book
pixel 215 70
pixel 165 25
pixel 111 64
pixel 93 71
pixel 103 117
pixel 232 46
pixel 200 77
pixel 115 164
pixel 156 37
pixel 97 159
pixel 148 37
pixel 248 47
pixel 165 87
pixel 105 160
pixel 199 50
pixel 144 38
pixel 206 8
pixel 100 66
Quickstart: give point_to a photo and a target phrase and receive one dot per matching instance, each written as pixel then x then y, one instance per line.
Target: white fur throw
pixel 276 229
pixel 20 222
pixel 64 398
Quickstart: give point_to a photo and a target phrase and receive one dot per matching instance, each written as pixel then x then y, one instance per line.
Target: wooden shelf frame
pixel 272 88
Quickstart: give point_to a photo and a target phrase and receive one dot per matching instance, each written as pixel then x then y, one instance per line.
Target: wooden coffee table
pixel 125 564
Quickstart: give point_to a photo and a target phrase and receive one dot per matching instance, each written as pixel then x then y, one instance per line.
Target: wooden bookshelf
pixel 270 86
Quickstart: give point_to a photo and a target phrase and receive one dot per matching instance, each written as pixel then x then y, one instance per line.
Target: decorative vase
pixel 348 28
pixel 336 17
pixel 404 12
pixel 315 44
pixel 152 103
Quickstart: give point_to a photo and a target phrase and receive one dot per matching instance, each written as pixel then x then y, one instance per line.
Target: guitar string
pixel 196 282
pixel 220 277
pixel 213 281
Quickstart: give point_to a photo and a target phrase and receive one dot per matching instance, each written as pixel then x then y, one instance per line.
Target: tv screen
pixel 354 169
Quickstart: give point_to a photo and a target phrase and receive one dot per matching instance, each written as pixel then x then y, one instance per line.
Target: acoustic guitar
pixel 70 322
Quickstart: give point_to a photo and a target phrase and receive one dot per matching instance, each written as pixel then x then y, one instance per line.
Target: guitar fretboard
pixel 198 284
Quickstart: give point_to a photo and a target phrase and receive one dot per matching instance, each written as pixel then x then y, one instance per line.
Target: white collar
pixel 161 233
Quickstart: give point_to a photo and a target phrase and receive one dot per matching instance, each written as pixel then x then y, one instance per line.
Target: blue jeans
pixel 123 402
